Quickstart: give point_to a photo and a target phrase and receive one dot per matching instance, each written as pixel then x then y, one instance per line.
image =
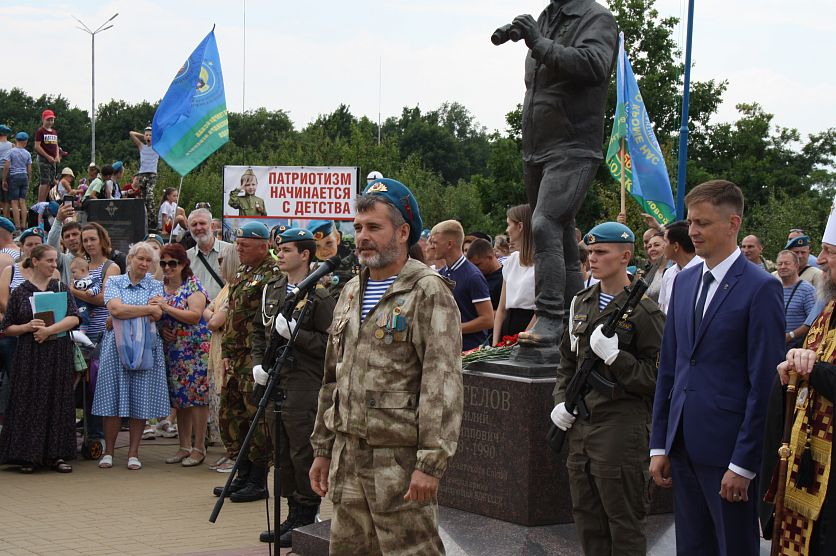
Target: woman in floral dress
pixel 186 339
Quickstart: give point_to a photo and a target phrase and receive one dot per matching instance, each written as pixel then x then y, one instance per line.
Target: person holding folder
pixel 40 423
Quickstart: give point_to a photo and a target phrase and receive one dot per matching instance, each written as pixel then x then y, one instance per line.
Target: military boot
pixel 287 524
pixel 256 487
pixel 305 515
pixel 239 481
pixel 541 344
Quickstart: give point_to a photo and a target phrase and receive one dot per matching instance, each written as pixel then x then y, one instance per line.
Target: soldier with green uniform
pixel 608 453
pixel 236 411
pixel 329 243
pixel 390 406
pixel 244 198
pixel 299 382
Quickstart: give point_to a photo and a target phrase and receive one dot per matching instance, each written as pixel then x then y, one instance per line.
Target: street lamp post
pixel 103 27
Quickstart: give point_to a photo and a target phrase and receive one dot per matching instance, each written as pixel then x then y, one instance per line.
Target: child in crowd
pixel 17 174
pixel 82 280
pixel 172 218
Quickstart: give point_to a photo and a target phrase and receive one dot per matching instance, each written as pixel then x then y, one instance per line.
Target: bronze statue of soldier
pixel 572 50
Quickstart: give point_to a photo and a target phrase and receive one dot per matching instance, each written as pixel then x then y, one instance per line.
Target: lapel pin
pixel 726 286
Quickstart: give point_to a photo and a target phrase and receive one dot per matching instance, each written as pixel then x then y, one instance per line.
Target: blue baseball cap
pixel 22 136
pixel 253 230
pixel 7 224
pixel 53 207
pixel 397 194
pixel 609 232
pixel 320 228
pixel 294 234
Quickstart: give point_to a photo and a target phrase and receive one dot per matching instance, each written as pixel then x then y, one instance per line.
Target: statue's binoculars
pixel 506 33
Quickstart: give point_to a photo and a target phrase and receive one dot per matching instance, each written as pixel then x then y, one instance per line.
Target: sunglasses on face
pixel 172 264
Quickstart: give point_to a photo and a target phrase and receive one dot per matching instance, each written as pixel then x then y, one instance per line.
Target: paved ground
pixel 160 509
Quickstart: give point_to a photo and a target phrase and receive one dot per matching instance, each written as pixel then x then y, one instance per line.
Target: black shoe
pixel 286 540
pixel 239 482
pixel 266 536
pixel 256 487
pixel 305 515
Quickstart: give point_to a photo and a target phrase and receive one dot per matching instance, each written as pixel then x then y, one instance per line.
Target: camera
pixel 83 284
pixel 506 33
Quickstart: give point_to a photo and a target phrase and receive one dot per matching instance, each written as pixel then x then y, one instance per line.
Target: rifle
pixel 587 377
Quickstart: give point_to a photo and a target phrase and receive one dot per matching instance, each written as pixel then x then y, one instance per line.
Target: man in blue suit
pixel 723 340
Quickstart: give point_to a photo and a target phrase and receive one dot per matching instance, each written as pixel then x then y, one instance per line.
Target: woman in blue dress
pixel 121 392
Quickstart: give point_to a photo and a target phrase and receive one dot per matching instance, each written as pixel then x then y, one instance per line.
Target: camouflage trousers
pixel 235 415
pixel 147 184
pixel 362 484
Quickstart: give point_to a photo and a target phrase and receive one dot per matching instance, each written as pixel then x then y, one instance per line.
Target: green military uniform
pixel 349 268
pixel 236 409
pixel 608 454
pixel 300 381
pixel 247 205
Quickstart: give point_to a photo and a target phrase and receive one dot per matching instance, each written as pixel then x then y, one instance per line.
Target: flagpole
pixel 623 185
pixel 177 204
pixel 683 130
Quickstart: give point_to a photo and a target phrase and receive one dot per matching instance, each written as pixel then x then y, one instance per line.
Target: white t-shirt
pixel 170 209
pixel 519 283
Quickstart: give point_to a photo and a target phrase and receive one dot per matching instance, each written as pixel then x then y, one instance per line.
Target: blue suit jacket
pixel 716 380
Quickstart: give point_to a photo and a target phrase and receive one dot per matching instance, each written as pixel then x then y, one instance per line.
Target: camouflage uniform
pixel 391 403
pixel 236 410
pixel 608 457
pixel 300 382
pixel 248 205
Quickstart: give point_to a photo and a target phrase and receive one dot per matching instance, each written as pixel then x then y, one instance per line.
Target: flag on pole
pixel 191 122
pixel 634 157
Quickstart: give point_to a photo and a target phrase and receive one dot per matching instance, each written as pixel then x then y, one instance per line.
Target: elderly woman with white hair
pixel 132 378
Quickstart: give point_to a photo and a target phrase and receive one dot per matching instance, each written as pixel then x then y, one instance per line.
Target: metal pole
pixel 683 130
pixel 93 101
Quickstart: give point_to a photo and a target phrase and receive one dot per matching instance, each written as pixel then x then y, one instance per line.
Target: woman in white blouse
pixel 515 311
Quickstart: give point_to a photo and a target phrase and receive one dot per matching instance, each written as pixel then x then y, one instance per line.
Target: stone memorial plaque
pixel 124 220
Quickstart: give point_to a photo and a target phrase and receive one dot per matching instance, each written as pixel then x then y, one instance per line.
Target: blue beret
pixel 800 241
pixel 253 230
pixel 399 195
pixel 155 237
pixel 22 136
pixel 425 233
pixel 294 234
pixel 117 166
pixel 320 228
pixel 7 224
pixel 4 129
pixel 32 232
pixel 609 232
pixel 53 207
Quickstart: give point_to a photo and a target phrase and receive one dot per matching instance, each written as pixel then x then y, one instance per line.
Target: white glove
pixel 561 418
pixel 260 375
pixel 603 347
pixel 284 328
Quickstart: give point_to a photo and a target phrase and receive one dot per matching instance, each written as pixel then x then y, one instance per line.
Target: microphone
pixel 310 281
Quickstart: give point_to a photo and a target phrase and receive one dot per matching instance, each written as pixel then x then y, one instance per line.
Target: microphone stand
pixel 285 355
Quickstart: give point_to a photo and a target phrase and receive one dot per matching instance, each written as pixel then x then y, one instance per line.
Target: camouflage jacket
pixel 395 382
pixel 247 205
pixel 305 372
pixel 244 305
pixel 635 368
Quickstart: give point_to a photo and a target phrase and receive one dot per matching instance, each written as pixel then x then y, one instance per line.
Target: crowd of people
pixel 174 337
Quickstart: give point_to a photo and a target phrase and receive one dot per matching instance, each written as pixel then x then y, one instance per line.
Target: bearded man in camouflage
pixel 390 407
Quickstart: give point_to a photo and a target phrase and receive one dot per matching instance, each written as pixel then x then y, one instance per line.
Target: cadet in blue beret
pixel 628 358
pixel 320 228
pixel 155 237
pixel 806 271
pixel 253 230
pixel 398 195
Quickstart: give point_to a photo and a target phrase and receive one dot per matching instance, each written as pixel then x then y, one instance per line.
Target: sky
pixel 309 57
